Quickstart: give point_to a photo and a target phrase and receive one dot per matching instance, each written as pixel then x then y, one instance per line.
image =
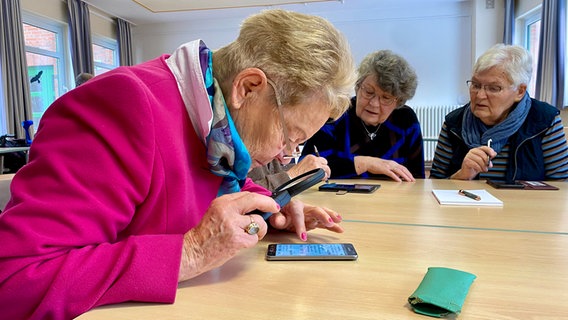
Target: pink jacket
pixel 116 176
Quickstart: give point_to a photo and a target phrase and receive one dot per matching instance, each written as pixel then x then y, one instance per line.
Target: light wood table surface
pixel 399 231
pixel 414 203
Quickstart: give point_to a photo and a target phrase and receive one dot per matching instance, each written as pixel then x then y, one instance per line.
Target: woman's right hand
pixel 390 168
pixel 475 161
pixel 310 162
pixel 221 233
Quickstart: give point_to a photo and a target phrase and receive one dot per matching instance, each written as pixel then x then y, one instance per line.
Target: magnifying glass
pixel 284 193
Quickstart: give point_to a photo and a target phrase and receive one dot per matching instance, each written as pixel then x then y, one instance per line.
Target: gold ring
pixel 253 227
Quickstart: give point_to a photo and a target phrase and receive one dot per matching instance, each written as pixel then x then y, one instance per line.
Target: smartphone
pixel 311 251
pixel 357 188
pixel 505 185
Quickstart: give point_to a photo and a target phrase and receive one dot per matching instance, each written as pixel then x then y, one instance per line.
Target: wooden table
pixel 519 253
pixel 413 203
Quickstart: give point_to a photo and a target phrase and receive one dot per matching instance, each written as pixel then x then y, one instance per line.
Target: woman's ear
pixel 520 92
pixel 246 85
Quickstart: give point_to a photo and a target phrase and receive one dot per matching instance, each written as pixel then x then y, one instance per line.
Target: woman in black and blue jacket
pixel 379 136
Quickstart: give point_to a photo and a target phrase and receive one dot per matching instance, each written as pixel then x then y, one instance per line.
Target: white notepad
pixel 453 198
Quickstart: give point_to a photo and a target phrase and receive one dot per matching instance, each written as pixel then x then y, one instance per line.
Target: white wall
pixel 488 25
pixel 441 38
pixel 436 38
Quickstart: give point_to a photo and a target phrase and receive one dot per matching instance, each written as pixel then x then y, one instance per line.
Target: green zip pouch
pixel 441 292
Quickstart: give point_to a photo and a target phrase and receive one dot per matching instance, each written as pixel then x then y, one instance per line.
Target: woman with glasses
pixel 502 133
pixel 379 136
pixel 137 178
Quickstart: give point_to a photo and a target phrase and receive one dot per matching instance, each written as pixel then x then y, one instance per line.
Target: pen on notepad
pixel 317 155
pixel 488 157
pixel 469 195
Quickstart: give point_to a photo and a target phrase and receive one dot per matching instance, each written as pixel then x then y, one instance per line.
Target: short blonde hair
pixel 303 55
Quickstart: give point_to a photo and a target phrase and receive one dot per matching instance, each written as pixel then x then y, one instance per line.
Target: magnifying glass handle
pixel 282 198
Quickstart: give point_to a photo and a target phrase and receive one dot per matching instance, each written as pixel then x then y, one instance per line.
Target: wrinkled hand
pixel 299 217
pixel 474 162
pixel 390 168
pixel 221 233
pixel 310 162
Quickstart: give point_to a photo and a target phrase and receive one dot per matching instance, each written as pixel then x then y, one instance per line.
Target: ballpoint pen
pixel 469 195
pixel 317 155
pixel 488 157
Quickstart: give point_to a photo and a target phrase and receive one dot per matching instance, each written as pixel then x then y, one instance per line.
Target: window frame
pixel 523 23
pixel 110 44
pixel 64 80
pixel 60 29
pixel 3 126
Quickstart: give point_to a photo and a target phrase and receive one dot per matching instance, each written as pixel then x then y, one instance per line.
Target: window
pixel 529 24
pixel 105 54
pixel 3 128
pixel 46 62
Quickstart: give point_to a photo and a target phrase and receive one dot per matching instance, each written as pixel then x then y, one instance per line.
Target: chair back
pixel 4 190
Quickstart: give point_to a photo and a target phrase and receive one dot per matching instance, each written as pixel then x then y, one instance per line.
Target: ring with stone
pixel 253 227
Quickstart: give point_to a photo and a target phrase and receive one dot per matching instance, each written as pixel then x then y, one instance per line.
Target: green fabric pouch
pixel 441 292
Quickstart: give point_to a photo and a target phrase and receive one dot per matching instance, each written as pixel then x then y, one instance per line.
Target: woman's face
pixel 492 95
pixel 374 105
pixel 261 127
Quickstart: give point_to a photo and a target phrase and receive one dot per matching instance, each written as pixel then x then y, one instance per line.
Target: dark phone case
pixel 334 187
pixel 504 185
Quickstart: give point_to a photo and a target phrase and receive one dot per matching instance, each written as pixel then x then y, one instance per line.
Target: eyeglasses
pixel 294 153
pixel 370 94
pixel 490 89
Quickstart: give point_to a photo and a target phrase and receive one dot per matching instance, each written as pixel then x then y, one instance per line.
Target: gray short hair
pixel 516 61
pixel 394 74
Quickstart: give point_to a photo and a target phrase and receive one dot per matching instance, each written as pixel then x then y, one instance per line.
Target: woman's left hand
pixel 299 217
pixel 375 165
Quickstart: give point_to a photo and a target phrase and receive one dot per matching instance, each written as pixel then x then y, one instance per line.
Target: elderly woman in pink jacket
pixel 137 179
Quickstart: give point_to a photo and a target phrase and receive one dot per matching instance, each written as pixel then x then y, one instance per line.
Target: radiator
pixel 431 119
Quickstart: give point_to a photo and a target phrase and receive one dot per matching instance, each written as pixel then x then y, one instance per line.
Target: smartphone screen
pixel 358 188
pixel 311 251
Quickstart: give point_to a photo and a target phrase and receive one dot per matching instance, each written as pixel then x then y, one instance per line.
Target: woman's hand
pixel 390 168
pixel 221 233
pixel 475 161
pixel 310 162
pixel 300 218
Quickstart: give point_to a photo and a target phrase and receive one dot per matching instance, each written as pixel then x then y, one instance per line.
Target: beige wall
pixel 53 9
pixel 101 23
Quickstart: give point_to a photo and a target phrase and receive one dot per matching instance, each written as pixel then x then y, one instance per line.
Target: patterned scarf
pixel 476 133
pixel 227 155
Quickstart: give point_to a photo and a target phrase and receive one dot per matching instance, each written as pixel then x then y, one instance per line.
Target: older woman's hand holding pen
pixel 475 161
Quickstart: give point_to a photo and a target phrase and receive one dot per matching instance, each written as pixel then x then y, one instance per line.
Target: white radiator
pixel 431 119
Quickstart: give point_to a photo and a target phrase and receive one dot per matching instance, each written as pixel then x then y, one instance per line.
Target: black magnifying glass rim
pixel 302 182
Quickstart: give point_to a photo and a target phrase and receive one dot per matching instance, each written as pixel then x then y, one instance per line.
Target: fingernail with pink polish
pixel 304 236
pixel 278 206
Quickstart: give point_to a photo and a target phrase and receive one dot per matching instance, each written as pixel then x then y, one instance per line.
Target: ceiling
pixel 141 12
